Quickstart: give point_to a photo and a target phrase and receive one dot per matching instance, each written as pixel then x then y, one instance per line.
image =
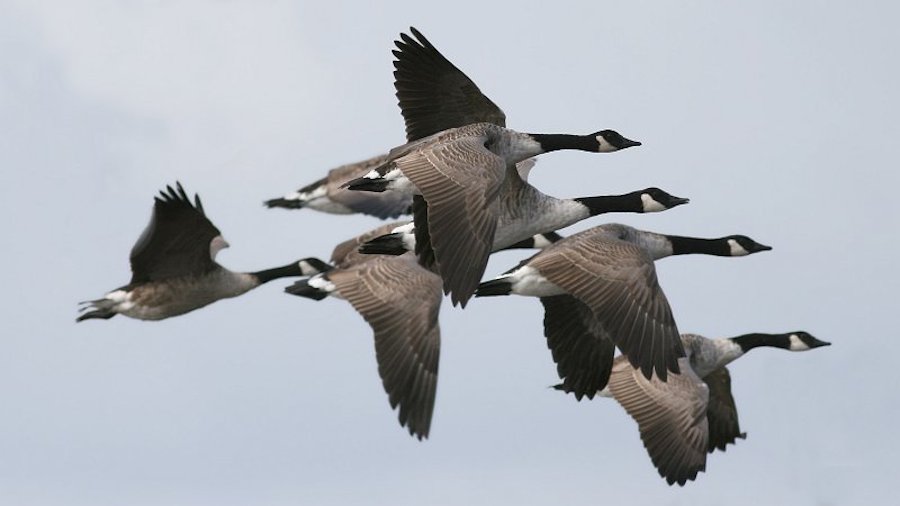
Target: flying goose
pixel 693 412
pixel 434 95
pixel 459 172
pixel 602 282
pixel 325 195
pixel 526 212
pixel 174 269
pixel 462 175
pixel 401 301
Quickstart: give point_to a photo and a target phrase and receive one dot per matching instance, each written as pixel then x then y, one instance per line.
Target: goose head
pixel 803 341
pixel 741 245
pixel 655 200
pixel 610 140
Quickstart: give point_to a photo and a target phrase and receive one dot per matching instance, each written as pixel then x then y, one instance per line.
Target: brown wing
pixel 459 180
pixel 617 280
pixel 400 300
pixel 581 349
pixel 722 413
pixel 177 240
pixel 433 94
pixel 671 417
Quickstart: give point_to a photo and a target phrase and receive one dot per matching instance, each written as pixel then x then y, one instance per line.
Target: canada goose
pixel 325 195
pixel 604 278
pixel 434 95
pixel 526 212
pixel 401 302
pixel 174 269
pixel 462 174
pixel 693 412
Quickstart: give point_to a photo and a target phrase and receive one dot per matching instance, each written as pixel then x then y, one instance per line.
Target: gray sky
pixel 778 121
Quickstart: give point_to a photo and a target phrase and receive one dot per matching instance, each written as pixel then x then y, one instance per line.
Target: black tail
pixel 285 203
pixel 494 287
pixel 388 244
pixel 302 289
pixel 366 185
pixel 101 314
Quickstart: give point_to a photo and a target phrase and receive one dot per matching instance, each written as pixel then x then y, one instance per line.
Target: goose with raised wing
pixel 174 269
pixel 459 175
pixel 434 95
pixel 602 282
pixel 692 413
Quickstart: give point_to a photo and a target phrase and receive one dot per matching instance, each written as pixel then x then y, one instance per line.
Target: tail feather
pixel 99 309
pixel 285 203
pixel 301 288
pixel 494 287
pixel 388 244
pixel 366 184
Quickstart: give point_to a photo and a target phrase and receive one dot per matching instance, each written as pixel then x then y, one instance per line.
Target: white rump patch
pixel 529 281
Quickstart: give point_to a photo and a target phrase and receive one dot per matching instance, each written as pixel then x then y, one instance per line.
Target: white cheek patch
pixel 307 269
pixel 736 249
pixel 649 205
pixel 216 245
pixel 541 242
pixel 797 344
pixel 605 146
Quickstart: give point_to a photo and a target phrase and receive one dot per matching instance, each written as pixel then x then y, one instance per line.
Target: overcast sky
pixel 778 120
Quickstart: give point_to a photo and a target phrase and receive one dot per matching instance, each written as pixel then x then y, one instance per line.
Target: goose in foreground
pixel 526 212
pixel 458 158
pixel 174 269
pixel 434 95
pixel 401 302
pixel 693 413
pixel 462 175
pixel 599 290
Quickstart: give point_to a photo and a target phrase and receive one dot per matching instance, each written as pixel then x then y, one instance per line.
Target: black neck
pixel 278 272
pixel 628 203
pixel 554 142
pixel 749 341
pixel 688 245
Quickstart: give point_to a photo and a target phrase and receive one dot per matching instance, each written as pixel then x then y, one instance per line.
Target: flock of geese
pixel 464 177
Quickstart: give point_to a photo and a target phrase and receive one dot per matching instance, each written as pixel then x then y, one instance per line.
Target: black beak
pixel 677 201
pixel 627 143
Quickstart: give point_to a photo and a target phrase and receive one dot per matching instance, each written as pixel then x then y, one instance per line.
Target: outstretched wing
pixel 178 241
pixel 400 300
pixel 617 280
pixel 433 94
pixel 671 417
